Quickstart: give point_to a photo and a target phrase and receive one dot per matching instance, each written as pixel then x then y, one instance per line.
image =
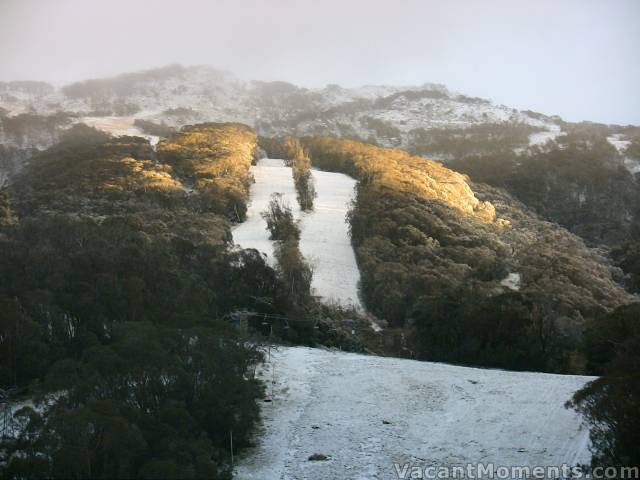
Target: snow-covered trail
pixel 118 126
pixel 270 176
pixel 324 239
pixel 367 412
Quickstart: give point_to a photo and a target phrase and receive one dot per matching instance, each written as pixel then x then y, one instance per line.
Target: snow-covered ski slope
pixel 324 239
pixel 270 176
pixel 367 412
pixel 118 126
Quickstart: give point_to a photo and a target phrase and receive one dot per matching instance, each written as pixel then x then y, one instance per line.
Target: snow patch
pixel 540 138
pixel 632 165
pixel 118 126
pixel 618 141
pixel 621 143
pixel 512 281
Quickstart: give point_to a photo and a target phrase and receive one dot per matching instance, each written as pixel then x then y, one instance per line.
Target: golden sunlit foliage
pixel 293 152
pixel 398 171
pixel 215 159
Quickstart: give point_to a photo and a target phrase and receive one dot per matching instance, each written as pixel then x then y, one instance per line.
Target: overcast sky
pixel 576 58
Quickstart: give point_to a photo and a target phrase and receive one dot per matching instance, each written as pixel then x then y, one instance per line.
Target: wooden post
pixel 273 380
pixel 270 333
pixel 231 445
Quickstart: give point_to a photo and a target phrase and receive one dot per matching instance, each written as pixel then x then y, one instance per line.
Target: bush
pixel 29 130
pixel 510 330
pixel 280 221
pixel 215 158
pixel 152 128
pixel 292 151
pixel 294 272
pixel 609 404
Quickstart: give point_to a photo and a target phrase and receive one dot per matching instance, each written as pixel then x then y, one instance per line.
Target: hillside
pixel 418 118
pixel 394 116
pixel 435 253
pixel 493 143
pixel 129 249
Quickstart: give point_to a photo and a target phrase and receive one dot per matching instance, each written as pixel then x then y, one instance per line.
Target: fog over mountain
pixel 574 58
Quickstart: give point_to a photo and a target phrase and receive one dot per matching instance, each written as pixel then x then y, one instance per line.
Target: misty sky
pixel 576 58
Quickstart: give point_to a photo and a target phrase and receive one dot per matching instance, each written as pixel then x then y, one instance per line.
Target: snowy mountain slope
pixel 324 239
pixel 178 96
pixel 365 413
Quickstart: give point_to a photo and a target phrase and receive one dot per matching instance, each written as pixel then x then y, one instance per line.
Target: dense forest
pixel 30 130
pixel 115 277
pixel 483 139
pixel 578 180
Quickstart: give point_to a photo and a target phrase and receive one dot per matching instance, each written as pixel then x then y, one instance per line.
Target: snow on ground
pixel 324 237
pixel 10 426
pixel 367 412
pixel 118 126
pixel 632 165
pixel 270 176
pixel 620 143
pixel 197 94
pixel 512 281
